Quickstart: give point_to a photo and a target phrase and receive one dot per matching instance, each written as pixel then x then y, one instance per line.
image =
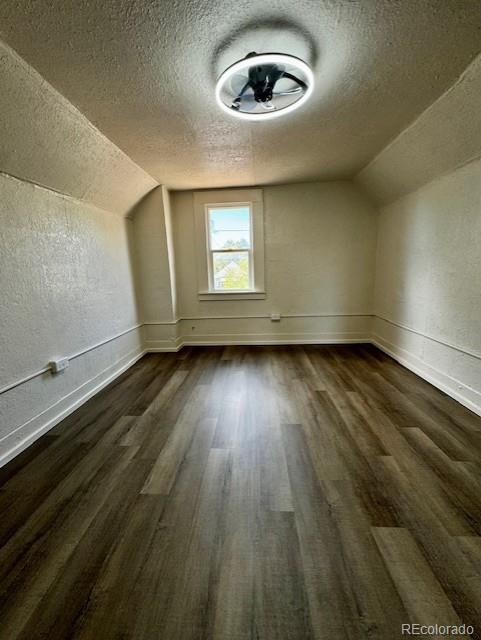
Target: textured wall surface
pixel 151 224
pixel 46 140
pixel 429 280
pixel 65 270
pixel 319 259
pixel 444 137
pixel 144 73
pixel 66 284
pixel 428 274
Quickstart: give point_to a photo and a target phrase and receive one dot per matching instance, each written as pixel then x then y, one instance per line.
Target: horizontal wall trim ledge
pixel 101 343
pixel 449 385
pixel 310 335
pixel 473 354
pixel 22 444
pixel 262 316
pixel 40 372
pixel 425 371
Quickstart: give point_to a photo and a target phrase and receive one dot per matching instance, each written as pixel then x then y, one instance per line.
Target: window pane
pixel 231 270
pixel 229 228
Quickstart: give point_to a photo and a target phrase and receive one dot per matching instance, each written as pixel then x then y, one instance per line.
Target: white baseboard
pixel 267 342
pixel 462 393
pixel 161 346
pixel 257 330
pixel 212 340
pixel 43 422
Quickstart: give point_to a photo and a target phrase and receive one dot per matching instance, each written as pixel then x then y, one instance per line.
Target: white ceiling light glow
pixel 264 86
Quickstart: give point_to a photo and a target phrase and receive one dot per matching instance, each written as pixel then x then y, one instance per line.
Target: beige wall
pixel 65 269
pixel 319 268
pixel 66 285
pixel 428 274
pixel 153 261
pixel 428 284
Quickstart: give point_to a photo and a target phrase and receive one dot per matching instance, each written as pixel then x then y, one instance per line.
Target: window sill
pixel 234 295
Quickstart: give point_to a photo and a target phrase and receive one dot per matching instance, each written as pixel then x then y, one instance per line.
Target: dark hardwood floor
pixel 273 493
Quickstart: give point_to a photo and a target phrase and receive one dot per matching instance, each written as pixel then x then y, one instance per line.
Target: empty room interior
pixel 240 319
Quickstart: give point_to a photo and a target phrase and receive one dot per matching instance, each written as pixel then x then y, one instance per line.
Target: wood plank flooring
pixel 267 493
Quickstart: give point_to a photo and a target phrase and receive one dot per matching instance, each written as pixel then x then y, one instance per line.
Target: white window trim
pixel 230 197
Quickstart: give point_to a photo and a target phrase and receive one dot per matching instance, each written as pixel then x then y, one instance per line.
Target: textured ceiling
pixel 45 140
pixel 144 74
pixel 444 137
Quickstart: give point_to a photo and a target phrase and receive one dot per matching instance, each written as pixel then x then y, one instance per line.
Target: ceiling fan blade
pixel 238 82
pixel 289 92
pixel 247 102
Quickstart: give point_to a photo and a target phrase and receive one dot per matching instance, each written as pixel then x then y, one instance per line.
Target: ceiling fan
pixel 262 86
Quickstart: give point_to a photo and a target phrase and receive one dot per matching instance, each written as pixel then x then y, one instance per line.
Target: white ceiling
pixel 144 74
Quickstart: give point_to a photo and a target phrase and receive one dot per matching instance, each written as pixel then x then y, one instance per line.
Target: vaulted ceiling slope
pixel 445 137
pixel 144 74
pixel 47 141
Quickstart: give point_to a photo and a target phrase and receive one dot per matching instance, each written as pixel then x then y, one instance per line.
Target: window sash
pixel 248 253
pixel 211 251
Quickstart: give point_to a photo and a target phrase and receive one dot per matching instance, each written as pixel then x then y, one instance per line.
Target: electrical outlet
pixel 275 317
pixel 56 366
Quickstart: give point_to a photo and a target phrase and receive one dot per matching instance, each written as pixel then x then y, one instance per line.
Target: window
pixel 230 255
pixel 230 244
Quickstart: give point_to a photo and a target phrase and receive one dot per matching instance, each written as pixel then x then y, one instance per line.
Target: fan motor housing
pixel 262 86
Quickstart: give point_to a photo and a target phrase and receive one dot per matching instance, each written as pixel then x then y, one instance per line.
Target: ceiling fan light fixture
pixel 264 86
